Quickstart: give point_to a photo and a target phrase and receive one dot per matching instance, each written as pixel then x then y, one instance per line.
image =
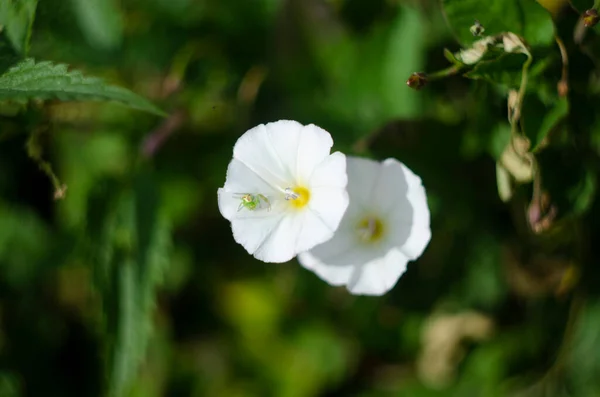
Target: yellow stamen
pixel 299 197
pixel 370 229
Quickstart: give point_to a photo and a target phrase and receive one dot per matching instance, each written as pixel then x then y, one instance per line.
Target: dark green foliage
pixel 119 277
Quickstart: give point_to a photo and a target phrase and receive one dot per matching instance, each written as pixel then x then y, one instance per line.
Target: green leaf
pixel 583 194
pixel 505 70
pixel 451 58
pixel 538 28
pixel 100 21
pixel 403 56
pixel 9 386
pixel 131 244
pixel 16 16
pixel 44 80
pixel 372 83
pixel 24 239
pixel 524 17
pixel 583 365
pixel 539 119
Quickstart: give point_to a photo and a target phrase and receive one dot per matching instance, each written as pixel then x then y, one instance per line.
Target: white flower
pixel 385 226
pixel 284 192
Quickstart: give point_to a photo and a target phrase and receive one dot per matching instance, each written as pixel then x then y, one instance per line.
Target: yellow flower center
pixel 298 197
pixel 370 229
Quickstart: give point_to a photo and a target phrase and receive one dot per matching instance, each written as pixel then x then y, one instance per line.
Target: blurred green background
pixel 132 284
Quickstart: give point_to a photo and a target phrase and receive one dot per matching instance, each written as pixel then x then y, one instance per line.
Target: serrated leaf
pixel 524 17
pixel 44 80
pixel 16 17
pixel 100 21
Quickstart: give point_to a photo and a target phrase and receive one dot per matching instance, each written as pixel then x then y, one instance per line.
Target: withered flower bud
pixel 541 213
pixel 590 18
pixel 417 80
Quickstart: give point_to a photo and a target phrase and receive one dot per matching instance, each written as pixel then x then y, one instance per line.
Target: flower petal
pixel 279 245
pixel 257 150
pixel 283 152
pixel 378 276
pixel 332 274
pixel 328 195
pixel 362 177
pixel 253 233
pixel 335 260
pixel 240 180
pixel 314 147
pixel 401 195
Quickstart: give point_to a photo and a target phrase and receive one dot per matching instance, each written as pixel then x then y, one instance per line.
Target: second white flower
pixel 385 227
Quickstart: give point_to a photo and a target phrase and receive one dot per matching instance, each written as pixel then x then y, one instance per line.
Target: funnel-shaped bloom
pixel 284 192
pixel 386 225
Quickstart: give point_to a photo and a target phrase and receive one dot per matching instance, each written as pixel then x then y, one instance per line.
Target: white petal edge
pixel 362 176
pixel 257 151
pixel 400 196
pixel 328 195
pixel 377 277
pixel 283 152
pixel 409 215
pixel 253 233
pixel 313 148
pixel 280 244
pixel 332 274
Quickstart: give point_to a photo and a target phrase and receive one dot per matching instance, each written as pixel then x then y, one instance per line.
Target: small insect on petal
pixel 253 201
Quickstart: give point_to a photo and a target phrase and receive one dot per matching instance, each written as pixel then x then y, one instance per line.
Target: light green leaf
pixel 538 28
pixel 371 85
pixel 100 21
pixel 16 16
pixel 403 56
pixel 451 57
pixel 44 80
pixel 526 18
